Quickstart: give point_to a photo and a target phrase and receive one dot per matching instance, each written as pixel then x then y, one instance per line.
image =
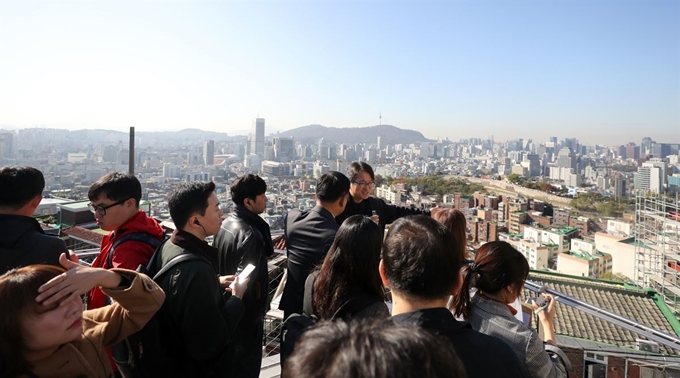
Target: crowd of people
pixel 448 311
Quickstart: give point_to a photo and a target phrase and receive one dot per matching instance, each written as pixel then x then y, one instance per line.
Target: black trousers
pixel 247 360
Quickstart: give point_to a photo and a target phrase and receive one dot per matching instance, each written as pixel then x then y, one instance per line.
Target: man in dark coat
pixel 309 235
pixel 245 239
pixel 198 317
pixel 22 241
pixel 421 265
pixel 362 202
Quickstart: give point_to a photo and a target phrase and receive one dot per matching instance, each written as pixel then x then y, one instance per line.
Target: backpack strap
pixel 174 261
pixel 142 237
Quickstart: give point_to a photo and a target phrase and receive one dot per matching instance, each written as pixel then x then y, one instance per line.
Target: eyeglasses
pixel 369 184
pixel 102 209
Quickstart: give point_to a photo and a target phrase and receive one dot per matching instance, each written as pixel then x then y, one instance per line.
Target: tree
pixel 545 186
pixel 514 178
pixel 548 210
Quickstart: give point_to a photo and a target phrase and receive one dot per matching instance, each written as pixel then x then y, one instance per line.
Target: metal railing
pixel 608 316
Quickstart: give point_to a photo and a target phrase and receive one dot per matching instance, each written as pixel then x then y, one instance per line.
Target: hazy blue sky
pixel 598 70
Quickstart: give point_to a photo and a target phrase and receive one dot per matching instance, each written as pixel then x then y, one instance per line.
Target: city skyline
pixel 602 72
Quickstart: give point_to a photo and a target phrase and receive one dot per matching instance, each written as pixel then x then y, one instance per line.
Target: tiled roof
pixel 636 305
pixel 84 234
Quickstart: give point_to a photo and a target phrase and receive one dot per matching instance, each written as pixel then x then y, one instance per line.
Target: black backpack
pixel 143 354
pixel 296 324
pixel 133 236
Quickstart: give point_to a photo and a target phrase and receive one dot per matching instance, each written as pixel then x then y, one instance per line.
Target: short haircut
pixel 455 221
pixel 116 186
pixel 18 289
pixel 247 186
pixel 368 349
pixel 421 258
pixel 187 199
pixel 497 264
pixel 357 166
pixel 331 186
pixel 19 186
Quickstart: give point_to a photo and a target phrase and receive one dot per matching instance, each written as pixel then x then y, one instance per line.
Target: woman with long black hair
pixel 348 284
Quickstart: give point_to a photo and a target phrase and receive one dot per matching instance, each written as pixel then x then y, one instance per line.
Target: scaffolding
pixel 657 245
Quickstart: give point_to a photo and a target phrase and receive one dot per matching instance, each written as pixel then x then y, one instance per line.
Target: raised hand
pixel 239 286
pixel 74 282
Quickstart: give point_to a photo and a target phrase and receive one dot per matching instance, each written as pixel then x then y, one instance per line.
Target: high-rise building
pixel 632 151
pixel 619 187
pixel 257 137
pixel 646 146
pixel 649 178
pixel 284 148
pixel 209 152
pixel 6 144
pixel 566 158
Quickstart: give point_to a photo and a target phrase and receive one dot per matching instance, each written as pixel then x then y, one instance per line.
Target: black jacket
pixel 309 235
pixel 197 321
pixel 388 213
pixel 23 242
pixel 245 239
pixel 482 355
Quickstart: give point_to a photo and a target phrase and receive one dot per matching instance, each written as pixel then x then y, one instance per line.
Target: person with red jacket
pixel 114 200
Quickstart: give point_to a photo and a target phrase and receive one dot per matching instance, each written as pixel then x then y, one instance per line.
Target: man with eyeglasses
pixel 362 202
pixel 114 200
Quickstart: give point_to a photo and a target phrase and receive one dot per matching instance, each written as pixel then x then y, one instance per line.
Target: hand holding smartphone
pixel 541 302
pixel 243 275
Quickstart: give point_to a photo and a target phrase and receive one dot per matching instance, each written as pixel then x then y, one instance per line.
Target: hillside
pixel 352 135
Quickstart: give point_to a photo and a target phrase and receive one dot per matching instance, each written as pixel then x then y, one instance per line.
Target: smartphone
pixel 541 302
pixel 246 271
pixel 244 274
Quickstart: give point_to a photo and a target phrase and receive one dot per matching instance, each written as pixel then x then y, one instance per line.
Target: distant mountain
pixel 184 136
pixel 352 135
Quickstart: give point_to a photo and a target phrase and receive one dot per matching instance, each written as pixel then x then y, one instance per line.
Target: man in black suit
pixel 421 265
pixel 309 235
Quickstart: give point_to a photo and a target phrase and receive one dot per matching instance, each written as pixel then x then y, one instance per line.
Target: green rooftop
pixel 583 255
pixel 75 205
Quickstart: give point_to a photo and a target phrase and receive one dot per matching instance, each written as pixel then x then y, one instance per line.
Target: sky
pixel 602 71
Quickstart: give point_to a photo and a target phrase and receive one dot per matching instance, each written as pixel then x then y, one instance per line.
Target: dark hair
pixel 18 289
pixel 19 186
pixel 116 186
pixel 497 264
pixel 350 266
pixel 247 186
pixel 187 199
pixel 331 186
pixel 378 349
pixel 421 258
pixel 357 166
pixel 454 220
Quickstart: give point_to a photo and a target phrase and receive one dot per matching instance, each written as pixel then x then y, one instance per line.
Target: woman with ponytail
pixel 498 273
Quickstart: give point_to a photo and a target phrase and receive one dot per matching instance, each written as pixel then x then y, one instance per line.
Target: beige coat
pixel 102 327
